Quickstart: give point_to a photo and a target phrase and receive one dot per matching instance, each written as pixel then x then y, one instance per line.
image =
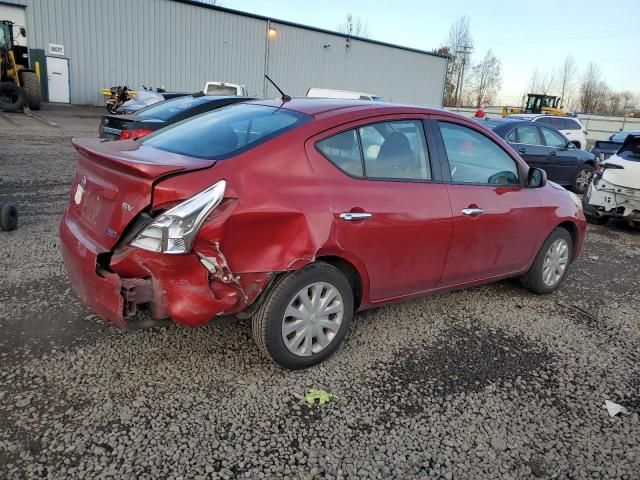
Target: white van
pixel 329 93
pixel 224 89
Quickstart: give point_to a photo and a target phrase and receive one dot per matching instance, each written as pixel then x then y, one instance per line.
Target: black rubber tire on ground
pixel 532 280
pixel 8 217
pixel 32 90
pixel 584 169
pixel 12 97
pixel 267 321
pixel 596 220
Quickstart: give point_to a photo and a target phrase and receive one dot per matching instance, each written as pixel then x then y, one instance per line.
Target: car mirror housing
pixel 537 177
pixel 571 146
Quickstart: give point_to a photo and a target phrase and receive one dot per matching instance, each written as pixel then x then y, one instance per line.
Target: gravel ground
pixel 490 382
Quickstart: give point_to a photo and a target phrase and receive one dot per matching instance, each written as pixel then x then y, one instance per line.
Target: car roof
pixel 315 106
pixel 502 126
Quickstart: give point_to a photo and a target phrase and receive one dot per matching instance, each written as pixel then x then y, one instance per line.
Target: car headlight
pixel 576 199
pixel 174 230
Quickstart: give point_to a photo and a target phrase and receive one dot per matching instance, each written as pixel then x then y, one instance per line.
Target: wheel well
pixel 350 272
pixel 573 231
pixel 591 163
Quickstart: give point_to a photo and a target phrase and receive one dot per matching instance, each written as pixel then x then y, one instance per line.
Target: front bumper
pixel 175 286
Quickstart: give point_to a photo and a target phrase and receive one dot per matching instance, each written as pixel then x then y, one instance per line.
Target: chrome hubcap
pixel 555 262
pixel 312 319
pixel 584 179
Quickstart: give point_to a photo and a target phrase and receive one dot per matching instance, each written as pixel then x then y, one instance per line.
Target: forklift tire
pixel 12 97
pixel 31 86
pixel 8 217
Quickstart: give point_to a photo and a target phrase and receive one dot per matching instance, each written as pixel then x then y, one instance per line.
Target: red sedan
pixel 301 213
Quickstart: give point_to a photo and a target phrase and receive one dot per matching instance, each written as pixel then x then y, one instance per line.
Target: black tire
pixel 596 220
pixel 533 279
pixel 585 170
pixel 267 323
pixel 8 217
pixel 12 97
pixel 32 90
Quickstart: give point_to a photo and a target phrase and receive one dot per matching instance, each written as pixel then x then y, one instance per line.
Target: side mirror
pixel 537 178
pixel 571 146
pixel 23 32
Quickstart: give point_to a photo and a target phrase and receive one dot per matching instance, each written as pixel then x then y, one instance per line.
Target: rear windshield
pixel 221 90
pixel 225 132
pixel 630 150
pixel 170 108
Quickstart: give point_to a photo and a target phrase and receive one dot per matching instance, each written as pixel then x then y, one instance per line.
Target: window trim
pixel 365 123
pixel 446 166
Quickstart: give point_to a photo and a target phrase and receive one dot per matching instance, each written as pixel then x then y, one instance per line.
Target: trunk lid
pixel 112 126
pixel 114 182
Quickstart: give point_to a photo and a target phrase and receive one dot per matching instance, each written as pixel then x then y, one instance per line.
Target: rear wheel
pixel 305 316
pixel 583 178
pixel 551 263
pixel 12 97
pixel 32 90
pixel 8 217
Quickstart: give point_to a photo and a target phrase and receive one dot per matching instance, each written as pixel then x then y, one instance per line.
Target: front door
pixel 389 213
pixel 58 79
pixel 527 142
pixel 562 161
pixel 494 231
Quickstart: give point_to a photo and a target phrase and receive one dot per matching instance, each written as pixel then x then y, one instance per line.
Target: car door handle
pixel 522 150
pixel 472 211
pixel 553 153
pixel 351 216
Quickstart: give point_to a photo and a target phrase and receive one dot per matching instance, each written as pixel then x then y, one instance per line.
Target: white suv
pixel 570 127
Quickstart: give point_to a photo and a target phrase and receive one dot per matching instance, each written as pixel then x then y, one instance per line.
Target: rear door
pixel 527 142
pixel 562 161
pixel 494 227
pixel 390 214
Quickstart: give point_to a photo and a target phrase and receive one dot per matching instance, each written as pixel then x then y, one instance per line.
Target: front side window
pixel 225 132
pixel 474 158
pixel 553 139
pixel 528 134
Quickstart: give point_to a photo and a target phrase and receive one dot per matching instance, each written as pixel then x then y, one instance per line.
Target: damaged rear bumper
pixel 604 199
pixel 175 286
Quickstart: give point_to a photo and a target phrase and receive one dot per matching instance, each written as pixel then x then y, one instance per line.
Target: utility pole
pixel 464 51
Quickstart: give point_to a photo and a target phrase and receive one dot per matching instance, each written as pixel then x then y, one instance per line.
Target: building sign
pixel 56 49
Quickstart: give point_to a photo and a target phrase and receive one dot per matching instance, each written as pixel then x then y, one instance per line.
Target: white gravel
pixel 491 382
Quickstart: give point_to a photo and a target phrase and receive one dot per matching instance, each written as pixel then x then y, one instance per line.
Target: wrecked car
pixel 300 213
pixel 615 189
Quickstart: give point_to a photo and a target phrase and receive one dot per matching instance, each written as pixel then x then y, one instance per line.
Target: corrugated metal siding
pixel 180 46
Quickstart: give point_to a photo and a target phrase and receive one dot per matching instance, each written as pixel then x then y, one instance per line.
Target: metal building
pixel 86 45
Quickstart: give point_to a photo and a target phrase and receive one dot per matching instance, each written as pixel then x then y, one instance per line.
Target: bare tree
pixel 627 103
pixel 486 79
pixel 354 26
pixel 593 91
pixel 540 82
pixel 566 75
pixel 458 46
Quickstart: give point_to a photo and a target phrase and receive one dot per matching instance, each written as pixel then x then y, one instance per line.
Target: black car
pixel 159 115
pixel 544 147
pixel 603 149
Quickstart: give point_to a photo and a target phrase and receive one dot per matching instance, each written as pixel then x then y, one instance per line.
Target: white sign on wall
pixel 56 49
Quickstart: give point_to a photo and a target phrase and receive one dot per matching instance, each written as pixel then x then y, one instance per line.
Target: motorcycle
pixel 117 96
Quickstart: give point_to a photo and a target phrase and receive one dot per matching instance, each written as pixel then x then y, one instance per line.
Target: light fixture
pixel 272 32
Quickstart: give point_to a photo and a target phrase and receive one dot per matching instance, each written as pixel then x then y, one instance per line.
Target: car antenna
pixel 284 96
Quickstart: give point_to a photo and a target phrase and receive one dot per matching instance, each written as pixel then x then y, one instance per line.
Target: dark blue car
pixel 544 147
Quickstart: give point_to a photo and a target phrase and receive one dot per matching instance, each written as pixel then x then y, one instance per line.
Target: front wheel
pixel 584 175
pixel 305 316
pixel 551 263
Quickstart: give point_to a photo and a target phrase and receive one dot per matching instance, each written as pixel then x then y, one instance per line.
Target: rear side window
pixel 555 122
pixel 528 134
pixel 384 150
pixel 572 124
pixel 226 132
pixel 553 139
pixel 474 158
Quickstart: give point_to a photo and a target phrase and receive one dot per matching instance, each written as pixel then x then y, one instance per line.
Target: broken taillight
pixel 134 133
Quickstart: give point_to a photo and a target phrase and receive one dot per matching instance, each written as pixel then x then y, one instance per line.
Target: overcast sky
pixel 523 34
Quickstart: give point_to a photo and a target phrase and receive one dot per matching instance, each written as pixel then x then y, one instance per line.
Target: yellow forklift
pixel 537 103
pixel 19 84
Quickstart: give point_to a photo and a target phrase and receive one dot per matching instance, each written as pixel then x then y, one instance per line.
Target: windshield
pixel 620 136
pixel 5 36
pixel 225 132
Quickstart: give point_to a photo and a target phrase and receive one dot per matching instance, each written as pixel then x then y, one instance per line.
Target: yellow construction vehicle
pixel 19 84
pixel 537 103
